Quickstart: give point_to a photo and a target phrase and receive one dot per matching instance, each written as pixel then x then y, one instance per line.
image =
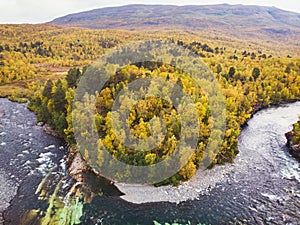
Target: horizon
pixel 17 14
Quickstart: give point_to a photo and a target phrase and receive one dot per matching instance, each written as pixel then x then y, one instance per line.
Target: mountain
pixel 237 20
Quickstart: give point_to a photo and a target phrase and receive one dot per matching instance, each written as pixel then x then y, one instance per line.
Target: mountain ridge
pixel 234 20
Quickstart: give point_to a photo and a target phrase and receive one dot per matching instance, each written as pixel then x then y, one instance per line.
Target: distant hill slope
pixel 237 20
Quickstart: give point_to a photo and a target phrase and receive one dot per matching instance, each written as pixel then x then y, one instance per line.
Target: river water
pixel 261 187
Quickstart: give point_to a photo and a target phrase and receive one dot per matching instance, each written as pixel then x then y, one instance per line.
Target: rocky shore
pixel 294 149
pixel 76 165
pixel 47 129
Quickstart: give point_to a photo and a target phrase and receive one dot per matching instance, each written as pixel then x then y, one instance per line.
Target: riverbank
pixel 203 181
pixel 76 166
pixel 294 149
pixel 201 184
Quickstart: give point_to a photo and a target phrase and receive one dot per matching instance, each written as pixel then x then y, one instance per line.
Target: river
pixel 27 154
pixel 261 187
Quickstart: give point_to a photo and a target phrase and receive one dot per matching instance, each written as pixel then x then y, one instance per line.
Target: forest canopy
pixel 50 61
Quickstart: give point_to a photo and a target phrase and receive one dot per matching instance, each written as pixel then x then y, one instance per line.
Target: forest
pixel 47 65
pixel 293 141
pixel 296 131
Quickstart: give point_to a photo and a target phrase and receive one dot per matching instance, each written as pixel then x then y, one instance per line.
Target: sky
pixel 40 11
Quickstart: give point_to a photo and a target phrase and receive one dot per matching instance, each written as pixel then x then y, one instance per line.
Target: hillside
pixel 35 53
pixel 235 20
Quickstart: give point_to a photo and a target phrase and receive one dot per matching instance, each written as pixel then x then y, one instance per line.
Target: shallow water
pixel 27 154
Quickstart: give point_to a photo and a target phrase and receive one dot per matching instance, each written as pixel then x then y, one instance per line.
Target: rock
pixel 77 167
pixel 293 149
pixel 289 137
pixel 49 130
pixel 40 124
